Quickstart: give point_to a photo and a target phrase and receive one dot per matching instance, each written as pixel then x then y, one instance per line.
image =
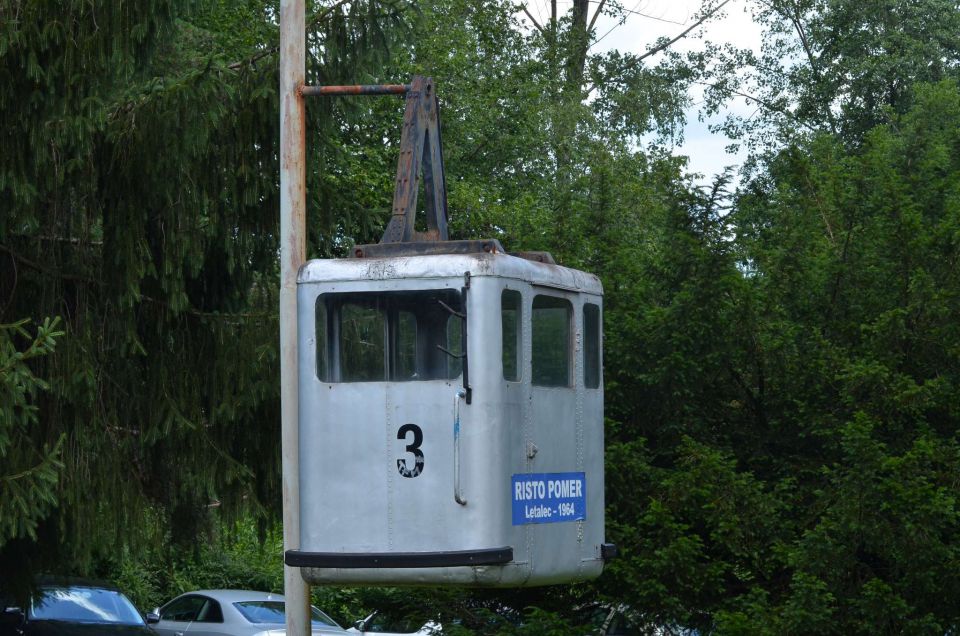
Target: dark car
pixel 73 608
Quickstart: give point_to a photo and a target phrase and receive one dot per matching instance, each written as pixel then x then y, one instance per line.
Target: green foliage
pixel 139 196
pixel 849 385
pixel 841 67
pixel 233 556
pixel 781 363
pixel 28 475
pixel 782 384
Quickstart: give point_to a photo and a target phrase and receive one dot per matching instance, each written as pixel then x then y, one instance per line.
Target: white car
pixel 245 613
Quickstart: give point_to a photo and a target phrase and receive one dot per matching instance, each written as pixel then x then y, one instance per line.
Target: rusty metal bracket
pixel 421 157
pixel 355 89
pixel 421 151
pixel 420 148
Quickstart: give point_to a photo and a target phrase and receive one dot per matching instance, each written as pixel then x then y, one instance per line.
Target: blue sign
pixel 549 497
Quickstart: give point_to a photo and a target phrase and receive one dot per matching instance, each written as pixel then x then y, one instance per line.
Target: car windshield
pixel 273 612
pixel 84 605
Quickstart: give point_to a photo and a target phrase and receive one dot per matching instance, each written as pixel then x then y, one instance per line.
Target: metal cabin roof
pixel 446 266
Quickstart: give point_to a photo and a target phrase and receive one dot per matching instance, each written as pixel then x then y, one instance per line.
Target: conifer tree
pixel 138 202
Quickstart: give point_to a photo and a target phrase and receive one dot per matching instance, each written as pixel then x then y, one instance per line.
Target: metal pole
pixel 293 203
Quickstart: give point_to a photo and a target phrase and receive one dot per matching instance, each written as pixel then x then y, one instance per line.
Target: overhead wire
pixel 635 11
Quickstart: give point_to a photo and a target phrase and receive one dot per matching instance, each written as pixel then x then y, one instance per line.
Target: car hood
pixel 281 631
pixel 61 628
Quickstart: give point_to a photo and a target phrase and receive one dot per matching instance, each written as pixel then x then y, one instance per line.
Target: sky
pixel 648 20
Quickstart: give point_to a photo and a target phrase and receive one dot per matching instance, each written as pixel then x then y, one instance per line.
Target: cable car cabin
pixel 451 401
pixel 451 421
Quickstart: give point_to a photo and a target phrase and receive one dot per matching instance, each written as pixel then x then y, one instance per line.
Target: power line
pixel 653 17
pixel 645 15
pixel 614 27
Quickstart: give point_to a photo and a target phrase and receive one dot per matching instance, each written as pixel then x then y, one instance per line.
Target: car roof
pixel 236 596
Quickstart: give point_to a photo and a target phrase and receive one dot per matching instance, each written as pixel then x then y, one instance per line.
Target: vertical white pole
pixel 293 203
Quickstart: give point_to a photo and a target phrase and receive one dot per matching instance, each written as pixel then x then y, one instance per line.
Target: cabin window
pixel 406 349
pixel 591 345
pixel 362 341
pixel 455 345
pixel 551 341
pixel 510 325
pixel 396 336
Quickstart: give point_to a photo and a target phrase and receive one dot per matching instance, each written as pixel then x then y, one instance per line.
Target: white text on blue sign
pixel 549 497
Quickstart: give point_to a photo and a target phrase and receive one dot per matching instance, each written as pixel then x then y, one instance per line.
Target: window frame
pixel 212 606
pixel 596 340
pixel 182 600
pixel 562 301
pixel 396 309
pixel 518 340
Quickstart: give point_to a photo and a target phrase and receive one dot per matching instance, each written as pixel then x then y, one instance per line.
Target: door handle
pixel 457 492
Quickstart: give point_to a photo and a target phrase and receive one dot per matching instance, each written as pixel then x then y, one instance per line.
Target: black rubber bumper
pixel 356 560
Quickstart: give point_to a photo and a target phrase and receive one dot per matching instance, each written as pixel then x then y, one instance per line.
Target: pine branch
pixel 47 270
pixel 48 461
pixel 56 273
pixel 210 314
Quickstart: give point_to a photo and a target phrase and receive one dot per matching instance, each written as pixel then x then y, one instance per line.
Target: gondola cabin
pixel 450 417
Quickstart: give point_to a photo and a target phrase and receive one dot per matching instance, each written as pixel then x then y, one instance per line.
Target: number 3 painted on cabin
pixel 413 448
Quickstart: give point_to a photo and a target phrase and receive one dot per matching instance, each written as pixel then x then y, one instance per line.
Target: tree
pixel 842 67
pixel 852 258
pixel 138 183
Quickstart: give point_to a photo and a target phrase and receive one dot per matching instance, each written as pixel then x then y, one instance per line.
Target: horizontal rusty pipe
pixel 357 89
